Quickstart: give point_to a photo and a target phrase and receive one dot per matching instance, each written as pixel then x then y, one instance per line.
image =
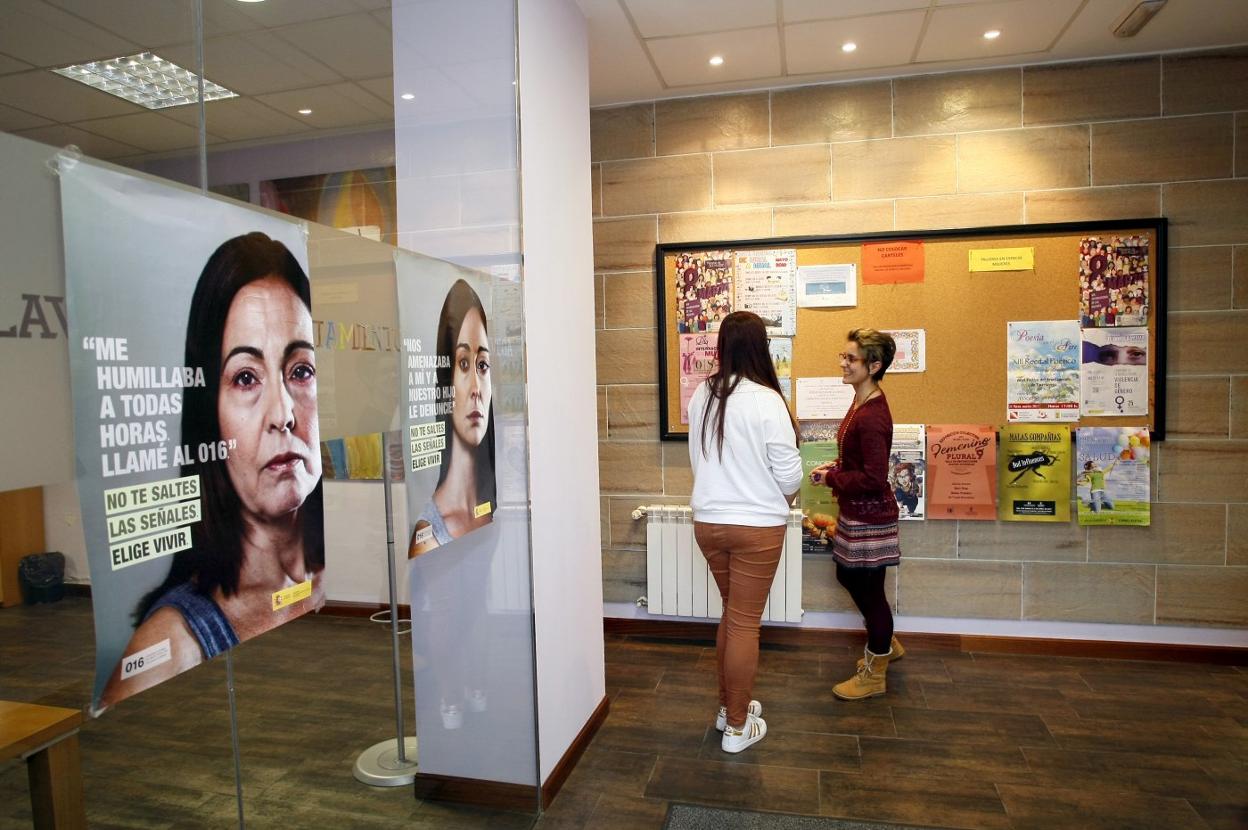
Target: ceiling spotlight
pixel 407 96
pixel 849 46
pixel 716 60
pixel 992 34
pixel 1135 18
pixel 305 111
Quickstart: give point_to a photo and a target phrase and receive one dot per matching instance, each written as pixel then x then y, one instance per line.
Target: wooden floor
pixel 961 740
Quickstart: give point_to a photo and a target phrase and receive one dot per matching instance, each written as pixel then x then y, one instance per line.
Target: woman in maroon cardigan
pixel 866 529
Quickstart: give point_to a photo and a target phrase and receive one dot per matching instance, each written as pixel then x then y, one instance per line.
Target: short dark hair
pixel 876 347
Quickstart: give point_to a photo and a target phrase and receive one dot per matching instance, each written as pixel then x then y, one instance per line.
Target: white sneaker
pixel 721 720
pixel 735 740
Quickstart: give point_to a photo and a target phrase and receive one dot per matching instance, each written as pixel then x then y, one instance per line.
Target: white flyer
pixel 823 398
pixel 827 286
pixel 911 353
pixel 765 285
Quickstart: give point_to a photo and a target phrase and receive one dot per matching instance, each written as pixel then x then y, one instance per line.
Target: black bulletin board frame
pixel 1157 311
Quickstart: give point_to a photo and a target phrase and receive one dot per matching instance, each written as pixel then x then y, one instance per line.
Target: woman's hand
pixel 819 475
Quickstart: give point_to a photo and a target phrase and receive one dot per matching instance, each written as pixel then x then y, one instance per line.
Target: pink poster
pixel 697 361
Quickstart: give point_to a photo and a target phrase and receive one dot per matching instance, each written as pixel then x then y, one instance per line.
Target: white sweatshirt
pixel 760 464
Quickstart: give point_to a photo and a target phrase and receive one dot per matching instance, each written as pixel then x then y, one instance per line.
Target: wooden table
pixel 47 738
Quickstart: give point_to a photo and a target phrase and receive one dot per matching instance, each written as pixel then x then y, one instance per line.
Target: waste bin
pixel 42 577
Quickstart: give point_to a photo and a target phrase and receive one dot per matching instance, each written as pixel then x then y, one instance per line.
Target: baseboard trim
pixel 341 608
pixel 1104 649
pixel 557 777
pixel 493 794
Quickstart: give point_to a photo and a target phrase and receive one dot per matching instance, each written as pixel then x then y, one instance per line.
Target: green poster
pixel 818 502
pixel 1033 473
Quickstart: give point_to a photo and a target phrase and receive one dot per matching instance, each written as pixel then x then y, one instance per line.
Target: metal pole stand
pixel 387 764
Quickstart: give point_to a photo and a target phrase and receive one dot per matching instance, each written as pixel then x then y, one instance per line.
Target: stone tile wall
pixel 1105 140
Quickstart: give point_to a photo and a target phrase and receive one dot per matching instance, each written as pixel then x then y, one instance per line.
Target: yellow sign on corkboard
pixel 1003 259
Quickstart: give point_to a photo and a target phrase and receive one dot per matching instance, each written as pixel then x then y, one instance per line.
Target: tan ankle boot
pixel 868 681
pixel 897 651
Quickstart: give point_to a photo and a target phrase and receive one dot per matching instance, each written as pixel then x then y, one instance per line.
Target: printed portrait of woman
pixel 464 498
pixel 250 330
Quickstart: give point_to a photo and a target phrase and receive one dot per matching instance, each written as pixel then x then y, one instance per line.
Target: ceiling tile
pixel 284 14
pixel 356 46
pixel 383 88
pixel 661 18
pixel 957 33
pixel 155 23
pixel 149 131
pixel 257 62
pixel 748 54
pixel 241 119
pixel 44 35
pixel 338 105
pixel 8 65
pixel 12 120
pixel 619 69
pixel 883 40
pixel 796 11
pixel 42 93
pixel 1193 24
pixel 59 135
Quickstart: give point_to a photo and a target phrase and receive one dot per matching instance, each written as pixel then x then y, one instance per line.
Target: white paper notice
pixel 911 353
pixel 764 285
pixel 827 286
pixel 822 398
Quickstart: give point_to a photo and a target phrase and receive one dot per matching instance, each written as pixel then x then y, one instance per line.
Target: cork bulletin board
pixel 964 314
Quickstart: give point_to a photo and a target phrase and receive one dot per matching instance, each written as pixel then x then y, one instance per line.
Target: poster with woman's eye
pixel 1114 371
pixel 197 436
pixel 448 400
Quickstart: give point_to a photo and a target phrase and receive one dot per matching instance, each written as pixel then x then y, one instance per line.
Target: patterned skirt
pixel 862 545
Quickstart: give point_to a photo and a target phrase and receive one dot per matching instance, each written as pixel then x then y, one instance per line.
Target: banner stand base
pixel 379 765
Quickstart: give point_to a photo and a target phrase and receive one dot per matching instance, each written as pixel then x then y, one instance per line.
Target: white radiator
pixel 678 583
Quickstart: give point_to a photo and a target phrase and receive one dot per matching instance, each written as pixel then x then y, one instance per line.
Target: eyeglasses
pixel 851 359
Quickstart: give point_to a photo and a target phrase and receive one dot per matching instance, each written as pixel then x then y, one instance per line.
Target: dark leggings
pixel 866 586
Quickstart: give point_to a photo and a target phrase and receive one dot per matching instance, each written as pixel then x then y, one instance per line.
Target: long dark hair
pixel 460 300
pixel 216 558
pixel 742 352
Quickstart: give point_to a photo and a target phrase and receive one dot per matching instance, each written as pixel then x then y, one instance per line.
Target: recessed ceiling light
pixel 407 96
pixel 716 60
pixel 849 46
pixel 145 79
pixel 305 111
pixel 992 34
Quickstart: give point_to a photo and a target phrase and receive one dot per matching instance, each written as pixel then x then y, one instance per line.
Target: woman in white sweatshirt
pixel 746 472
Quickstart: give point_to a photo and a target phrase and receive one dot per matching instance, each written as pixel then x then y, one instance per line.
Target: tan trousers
pixel 743 561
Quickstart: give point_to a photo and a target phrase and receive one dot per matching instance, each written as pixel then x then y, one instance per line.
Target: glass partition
pixel 299 124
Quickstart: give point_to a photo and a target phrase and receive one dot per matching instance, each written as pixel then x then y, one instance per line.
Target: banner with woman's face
pixel 193 371
pixel 447 400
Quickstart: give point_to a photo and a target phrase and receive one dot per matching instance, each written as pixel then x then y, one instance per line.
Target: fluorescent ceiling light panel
pixel 145 79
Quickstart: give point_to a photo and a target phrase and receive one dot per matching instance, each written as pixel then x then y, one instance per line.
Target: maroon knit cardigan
pixel 861 480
